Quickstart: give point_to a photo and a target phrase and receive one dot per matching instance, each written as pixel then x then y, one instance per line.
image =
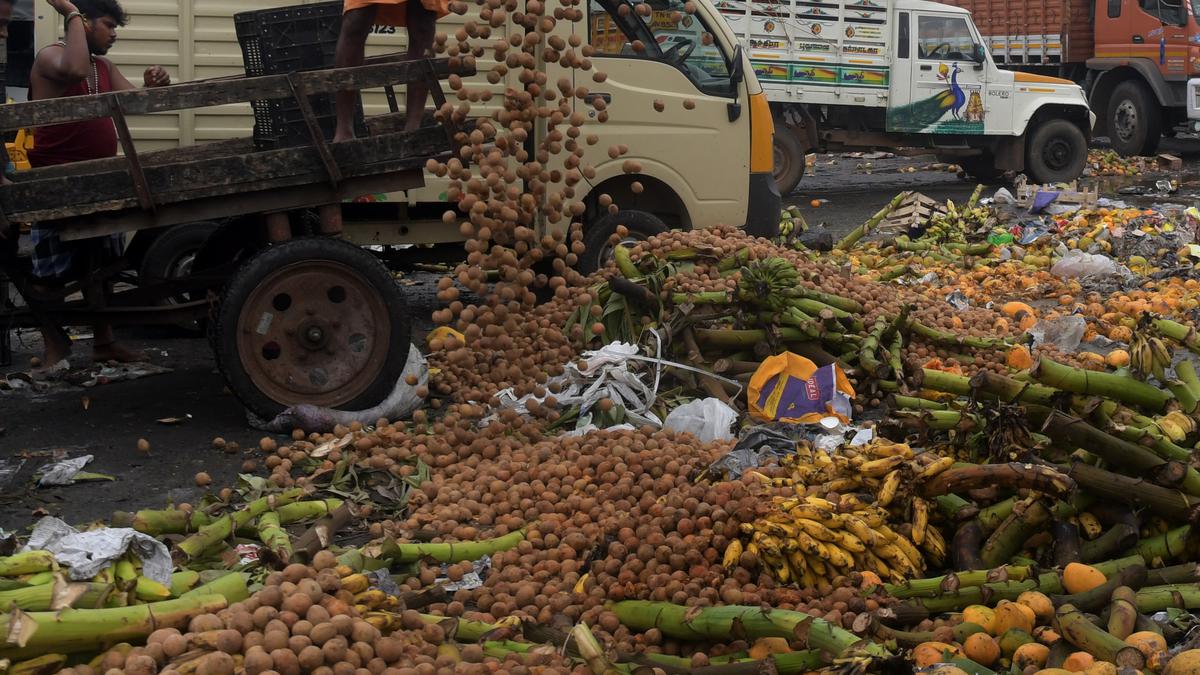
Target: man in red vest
pixel 75 66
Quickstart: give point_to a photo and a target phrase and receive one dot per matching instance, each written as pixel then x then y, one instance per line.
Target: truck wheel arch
pixel 1076 114
pixel 657 197
pixel 1112 75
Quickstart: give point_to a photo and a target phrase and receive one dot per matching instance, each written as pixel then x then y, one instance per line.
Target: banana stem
pixel 850 240
pixel 213 533
pixel 1181 333
pixel 720 623
pixel 452 552
pixel 29 562
pixel 1094 383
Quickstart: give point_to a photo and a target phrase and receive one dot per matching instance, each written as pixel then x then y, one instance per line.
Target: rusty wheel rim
pixel 314 332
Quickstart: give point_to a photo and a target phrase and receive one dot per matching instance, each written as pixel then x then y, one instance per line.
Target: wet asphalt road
pixel 108 420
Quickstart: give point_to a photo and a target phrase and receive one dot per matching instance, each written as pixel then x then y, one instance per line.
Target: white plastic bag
pixel 1076 264
pixel 1065 332
pixel 708 419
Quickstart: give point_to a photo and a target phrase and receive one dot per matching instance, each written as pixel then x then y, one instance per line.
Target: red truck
pixel 1132 57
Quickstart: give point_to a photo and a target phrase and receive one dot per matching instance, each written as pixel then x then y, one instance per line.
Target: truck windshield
pixel 661 30
pixel 944 38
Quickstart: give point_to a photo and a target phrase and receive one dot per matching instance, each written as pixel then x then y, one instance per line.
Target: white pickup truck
pixel 843 74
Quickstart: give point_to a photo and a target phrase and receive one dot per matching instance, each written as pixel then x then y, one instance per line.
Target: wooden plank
pixel 205 94
pixel 307 195
pixel 42 199
pixel 232 146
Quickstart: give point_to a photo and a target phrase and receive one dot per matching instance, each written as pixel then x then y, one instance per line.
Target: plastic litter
pixel 1078 264
pixel 87 553
pixel 757 445
pixel 63 472
pixel 708 419
pixel 1065 332
pixel 792 389
pixel 398 405
pixel 958 300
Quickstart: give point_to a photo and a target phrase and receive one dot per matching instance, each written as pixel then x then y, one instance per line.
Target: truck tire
pixel 597 251
pixel 1134 121
pixel 172 253
pixel 788 154
pixel 311 320
pixel 170 256
pixel 1056 152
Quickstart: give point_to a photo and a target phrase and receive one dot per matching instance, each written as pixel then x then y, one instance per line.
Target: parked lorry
pixel 686 156
pixel 846 74
pixel 1133 57
pixel 280 212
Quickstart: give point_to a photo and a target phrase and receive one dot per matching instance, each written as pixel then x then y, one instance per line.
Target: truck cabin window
pixel 661 30
pixel 1167 12
pixel 944 38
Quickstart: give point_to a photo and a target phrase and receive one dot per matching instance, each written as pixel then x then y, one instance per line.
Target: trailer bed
pixel 137 191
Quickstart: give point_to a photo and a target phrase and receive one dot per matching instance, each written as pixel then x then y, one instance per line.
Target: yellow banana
pixel 816 530
pixel 861 531
pixel 920 520
pixel 356 583
pixel 733 554
pixel 842 484
pixel 911 552
pixel 848 541
pixel 1089 526
pixel 824 516
pixel 935 546
pixel 838 557
pixel 935 467
pixel 881 449
pixel 881 467
pixel 887 492
pixel 822 503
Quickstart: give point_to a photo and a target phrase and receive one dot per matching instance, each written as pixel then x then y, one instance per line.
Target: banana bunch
pixel 367 599
pixel 1176 426
pixel 954 223
pixel 883 472
pixel 1149 355
pixel 767 283
pixel 791 223
pixel 811 540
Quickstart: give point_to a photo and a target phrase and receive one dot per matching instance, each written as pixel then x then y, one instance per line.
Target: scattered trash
pixel 791 388
pixel 63 472
pixel 708 419
pixel 397 406
pixel 86 553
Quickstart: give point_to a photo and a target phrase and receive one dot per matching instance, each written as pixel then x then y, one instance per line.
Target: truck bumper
pixel 764 206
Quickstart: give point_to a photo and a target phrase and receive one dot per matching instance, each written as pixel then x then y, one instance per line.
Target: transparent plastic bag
pixel 708 419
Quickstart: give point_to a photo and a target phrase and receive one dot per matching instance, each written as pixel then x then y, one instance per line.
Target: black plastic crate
pixel 288 40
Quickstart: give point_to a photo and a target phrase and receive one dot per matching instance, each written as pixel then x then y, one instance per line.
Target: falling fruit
pixel 203 479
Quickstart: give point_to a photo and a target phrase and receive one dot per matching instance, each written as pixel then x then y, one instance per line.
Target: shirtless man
pixel 75 66
pixel 358 18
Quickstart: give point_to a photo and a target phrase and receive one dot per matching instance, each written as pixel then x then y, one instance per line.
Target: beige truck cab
pixel 685 102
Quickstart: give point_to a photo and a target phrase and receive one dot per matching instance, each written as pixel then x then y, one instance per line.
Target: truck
pixel 294 230
pixel 683 183
pixel 854 74
pixel 1133 57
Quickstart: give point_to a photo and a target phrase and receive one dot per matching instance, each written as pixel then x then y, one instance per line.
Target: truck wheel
pixel 597 250
pixel 1134 121
pixel 789 160
pixel 314 320
pixel 1056 152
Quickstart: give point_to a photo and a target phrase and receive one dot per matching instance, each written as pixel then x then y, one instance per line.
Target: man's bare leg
pixel 106 348
pixel 422 26
pixel 57 345
pixel 351 50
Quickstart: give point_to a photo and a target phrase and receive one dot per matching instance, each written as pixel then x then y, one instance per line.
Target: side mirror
pixel 978 55
pixel 736 72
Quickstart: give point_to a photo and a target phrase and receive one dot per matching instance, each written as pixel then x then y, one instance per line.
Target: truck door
pixel 668 94
pixel 946 92
pixel 1147 29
